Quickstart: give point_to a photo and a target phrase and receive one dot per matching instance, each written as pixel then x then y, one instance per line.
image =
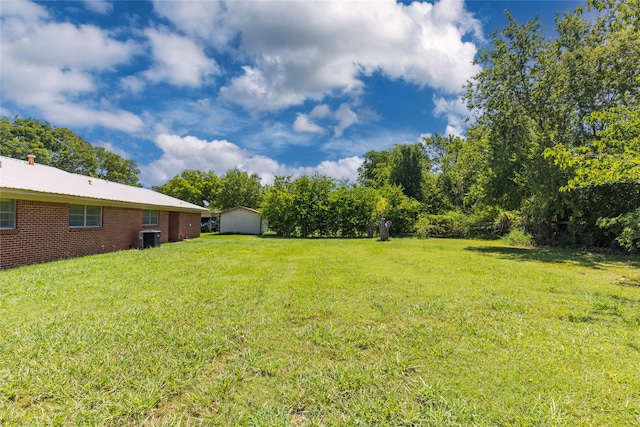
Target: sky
pixel 274 87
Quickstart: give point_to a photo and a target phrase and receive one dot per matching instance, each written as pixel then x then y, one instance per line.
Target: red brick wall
pixel 189 225
pixel 42 233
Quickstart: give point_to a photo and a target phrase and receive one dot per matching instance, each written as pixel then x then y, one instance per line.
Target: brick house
pixel 48 214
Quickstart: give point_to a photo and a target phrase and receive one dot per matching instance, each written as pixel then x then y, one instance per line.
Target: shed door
pixel 174 226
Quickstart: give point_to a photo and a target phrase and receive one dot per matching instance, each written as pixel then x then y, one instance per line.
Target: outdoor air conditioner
pixel 150 239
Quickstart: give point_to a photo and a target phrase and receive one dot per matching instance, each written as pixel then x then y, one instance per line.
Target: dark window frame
pixel 85 216
pixel 148 217
pixel 8 215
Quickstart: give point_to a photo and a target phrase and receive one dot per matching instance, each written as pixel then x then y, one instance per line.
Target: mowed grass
pixel 239 330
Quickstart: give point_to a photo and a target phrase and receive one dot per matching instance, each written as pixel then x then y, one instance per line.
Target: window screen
pixel 7 214
pixel 85 216
pixel 149 217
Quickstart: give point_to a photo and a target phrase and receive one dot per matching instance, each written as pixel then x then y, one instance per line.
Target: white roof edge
pixel 38 181
pixel 240 207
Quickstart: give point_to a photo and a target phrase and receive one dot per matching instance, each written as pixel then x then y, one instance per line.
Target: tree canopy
pixel 63 149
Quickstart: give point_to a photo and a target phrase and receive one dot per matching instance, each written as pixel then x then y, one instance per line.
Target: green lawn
pixel 239 330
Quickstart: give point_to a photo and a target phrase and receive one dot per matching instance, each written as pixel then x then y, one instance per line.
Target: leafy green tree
pixel 456 163
pixel 112 167
pixel 403 211
pixel 318 206
pixel 550 113
pixel 408 165
pixel 405 165
pixel 239 188
pixel 512 93
pixel 193 186
pixel 311 204
pixel 25 136
pixel 374 171
pixel 350 209
pixel 613 157
pixel 63 149
pixel 73 154
pixel 278 207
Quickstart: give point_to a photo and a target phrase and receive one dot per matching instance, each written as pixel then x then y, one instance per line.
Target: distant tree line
pixel 63 149
pixel 234 188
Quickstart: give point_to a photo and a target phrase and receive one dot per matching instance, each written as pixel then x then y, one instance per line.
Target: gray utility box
pixel 150 239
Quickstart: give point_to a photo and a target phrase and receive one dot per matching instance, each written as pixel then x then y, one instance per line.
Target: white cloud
pixel 346 168
pixel 80 115
pixel 320 112
pixel 99 6
pixel 23 9
pixel 132 84
pixel 51 65
pixel 201 19
pixel 304 124
pixel 343 117
pixel 300 50
pixel 346 117
pixel 189 152
pixel 113 148
pixel 377 139
pixel 178 60
pixel 455 111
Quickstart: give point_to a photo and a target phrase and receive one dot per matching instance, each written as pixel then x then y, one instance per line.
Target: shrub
pixel 518 237
pixel 481 223
pixel 626 229
pixel 451 224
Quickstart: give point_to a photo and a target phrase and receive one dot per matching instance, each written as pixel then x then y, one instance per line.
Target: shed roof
pixel 240 207
pixel 19 179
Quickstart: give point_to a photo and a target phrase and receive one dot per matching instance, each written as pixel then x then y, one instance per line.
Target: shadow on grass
pixel 558 256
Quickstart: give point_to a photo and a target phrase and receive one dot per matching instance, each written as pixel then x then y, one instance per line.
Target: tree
pixel 547 112
pixel 456 165
pixel 408 166
pixel 25 136
pixel 350 209
pixel 404 165
pixel 63 149
pixel 193 186
pixel 512 95
pixel 401 210
pixel 277 207
pixel 72 153
pixel 613 157
pixel 374 171
pixel 112 167
pixel 238 188
pixel 317 206
pixel 311 204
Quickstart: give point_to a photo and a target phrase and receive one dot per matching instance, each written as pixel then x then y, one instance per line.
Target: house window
pixel 7 214
pixel 149 217
pixel 85 216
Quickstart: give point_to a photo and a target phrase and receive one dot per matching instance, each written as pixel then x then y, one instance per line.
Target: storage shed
pixel 241 220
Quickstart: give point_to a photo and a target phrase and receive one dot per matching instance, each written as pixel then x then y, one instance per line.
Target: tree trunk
pixel 384 226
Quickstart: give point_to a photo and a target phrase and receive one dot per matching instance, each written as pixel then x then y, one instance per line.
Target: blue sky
pixel 276 87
